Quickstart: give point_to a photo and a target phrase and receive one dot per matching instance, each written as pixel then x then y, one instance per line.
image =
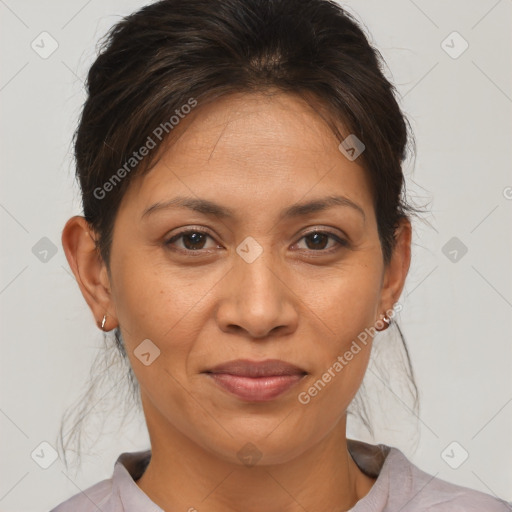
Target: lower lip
pixel 255 389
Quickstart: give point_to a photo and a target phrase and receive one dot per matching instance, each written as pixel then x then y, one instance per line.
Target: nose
pixel 257 300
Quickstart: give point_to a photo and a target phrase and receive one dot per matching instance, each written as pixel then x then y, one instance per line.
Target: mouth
pixel 256 381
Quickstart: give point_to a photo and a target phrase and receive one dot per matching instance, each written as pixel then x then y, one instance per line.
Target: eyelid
pixel 326 230
pixel 186 231
pixel 341 240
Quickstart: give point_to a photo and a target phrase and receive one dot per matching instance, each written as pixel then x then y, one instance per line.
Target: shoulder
pixel 416 490
pixel 116 493
pixel 97 497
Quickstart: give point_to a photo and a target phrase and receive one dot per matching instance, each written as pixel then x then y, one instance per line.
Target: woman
pixel 245 235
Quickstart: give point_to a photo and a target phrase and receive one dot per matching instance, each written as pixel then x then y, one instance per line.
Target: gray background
pixel 457 315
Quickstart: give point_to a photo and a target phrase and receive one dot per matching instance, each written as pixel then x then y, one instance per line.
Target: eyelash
pixel 341 242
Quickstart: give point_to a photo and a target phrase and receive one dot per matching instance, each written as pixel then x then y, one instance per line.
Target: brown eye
pixel 193 240
pixel 318 240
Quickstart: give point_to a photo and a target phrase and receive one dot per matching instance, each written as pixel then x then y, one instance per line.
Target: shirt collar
pixel 372 460
pixel 127 469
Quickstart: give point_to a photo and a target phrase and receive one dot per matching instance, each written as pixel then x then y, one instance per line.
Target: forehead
pixel 271 128
pixel 256 146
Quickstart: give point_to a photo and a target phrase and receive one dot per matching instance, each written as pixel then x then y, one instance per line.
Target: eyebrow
pixel 207 207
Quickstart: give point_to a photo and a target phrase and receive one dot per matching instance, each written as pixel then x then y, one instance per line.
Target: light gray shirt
pixel 400 486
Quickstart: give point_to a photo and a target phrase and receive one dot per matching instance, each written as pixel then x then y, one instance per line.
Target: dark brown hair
pixel 153 62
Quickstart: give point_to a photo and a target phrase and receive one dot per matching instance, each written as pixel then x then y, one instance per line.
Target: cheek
pixel 153 304
pixel 339 373
pixel 164 304
pixel 349 303
pixel 347 310
pixel 151 298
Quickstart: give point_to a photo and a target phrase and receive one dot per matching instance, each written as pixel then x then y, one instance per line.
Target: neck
pixel 183 476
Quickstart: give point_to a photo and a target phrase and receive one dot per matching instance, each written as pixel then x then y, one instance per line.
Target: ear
pixel 78 241
pixel 396 272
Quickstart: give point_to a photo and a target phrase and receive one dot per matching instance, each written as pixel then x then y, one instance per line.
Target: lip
pixel 266 368
pixel 256 381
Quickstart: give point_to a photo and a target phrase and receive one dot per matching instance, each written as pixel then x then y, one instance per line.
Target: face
pixel 252 277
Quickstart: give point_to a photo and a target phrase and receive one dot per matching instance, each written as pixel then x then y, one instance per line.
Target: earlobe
pixel 88 268
pixel 383 323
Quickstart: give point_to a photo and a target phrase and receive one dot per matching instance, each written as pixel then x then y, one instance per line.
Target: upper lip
pixel 248 368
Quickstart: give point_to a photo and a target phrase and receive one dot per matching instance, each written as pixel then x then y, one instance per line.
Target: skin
pixel 256 154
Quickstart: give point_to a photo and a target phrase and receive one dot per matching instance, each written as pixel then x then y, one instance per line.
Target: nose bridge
pixel 257 300
pixel 257 279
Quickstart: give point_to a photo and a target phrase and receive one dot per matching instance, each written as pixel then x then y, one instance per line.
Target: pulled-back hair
pixel 173 53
